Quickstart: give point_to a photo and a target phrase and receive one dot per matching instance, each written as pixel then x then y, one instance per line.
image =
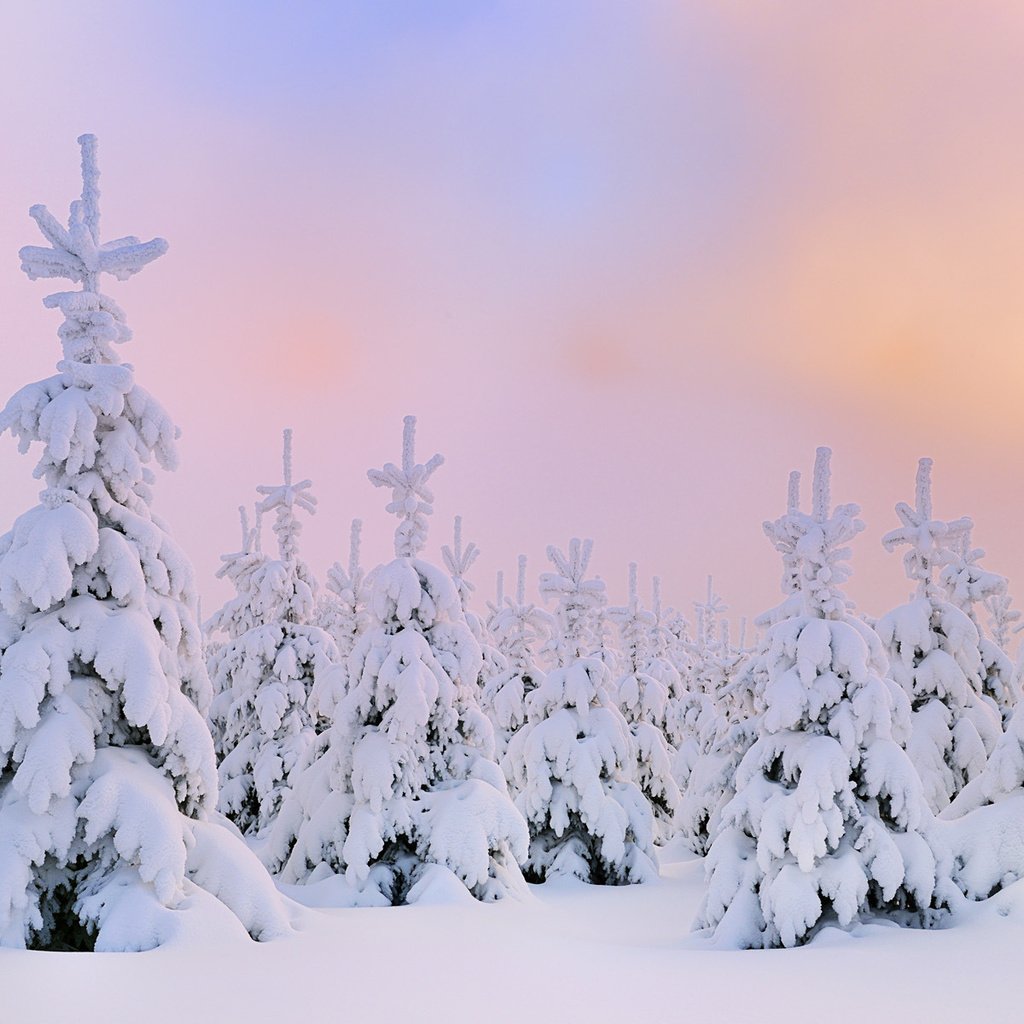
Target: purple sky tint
pixel 628 263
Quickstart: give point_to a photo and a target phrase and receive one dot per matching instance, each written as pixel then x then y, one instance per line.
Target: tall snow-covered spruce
pixel 405 778
pixel 935 654
pixel 263 677
pixel 107 770
pixel 573 764
pixel 828 821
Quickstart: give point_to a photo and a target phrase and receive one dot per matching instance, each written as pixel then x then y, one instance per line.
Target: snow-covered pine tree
pixel 934 654
pixel 263 677
pixel 107 770
pixel 341 609
pixel 717 732
pixel 578 602
pixel 1004 620
pixel 573 763
pixel 695 714
pixel 829 816
pixel 405 778
pixel 342 613
pixel 239 567
pixel 644 700
pixel 968 584
pixel 711 783
pixel 459 560
pixel 678 644
pixel 519 627
pixel 660 664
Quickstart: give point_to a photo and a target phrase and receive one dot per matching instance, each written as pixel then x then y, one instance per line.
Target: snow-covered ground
pixel 570 952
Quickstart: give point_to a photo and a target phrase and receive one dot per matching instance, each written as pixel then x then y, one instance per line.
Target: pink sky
pixel 628 264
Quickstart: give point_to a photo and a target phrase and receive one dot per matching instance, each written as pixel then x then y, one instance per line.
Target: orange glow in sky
pixel 628 264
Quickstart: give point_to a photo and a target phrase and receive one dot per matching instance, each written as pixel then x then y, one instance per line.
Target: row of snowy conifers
pixel 811 766
pixel 356 735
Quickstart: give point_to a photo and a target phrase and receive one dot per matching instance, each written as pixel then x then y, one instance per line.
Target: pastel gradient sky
pixel 629 263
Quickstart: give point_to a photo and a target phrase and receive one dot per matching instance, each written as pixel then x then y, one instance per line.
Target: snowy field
pixel 569 953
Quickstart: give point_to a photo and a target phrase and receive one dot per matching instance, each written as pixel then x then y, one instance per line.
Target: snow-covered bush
pixel 644 700
pixel 107 770
pixel 405 777
pixel 935 654
pixel 573 764
pixel 261 722
pixel 828 821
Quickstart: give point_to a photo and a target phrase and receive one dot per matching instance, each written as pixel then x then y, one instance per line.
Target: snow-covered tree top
pixel 709 611
pixel 342 581
pixel 660 634
pixel 517 624
pixel 966 583
pixel 636 626
pixel 1004 621
pixel 76 254
pixel 459 560
pixel 247 549
pixel 284 499
pixel 411 498
pixel 813 547
pixel 931 542
pixel 579 600
pixel 495 606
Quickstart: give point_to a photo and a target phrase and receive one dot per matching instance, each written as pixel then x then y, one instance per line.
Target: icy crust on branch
pixel 574 772
pixel 644 699
pixel 106 764
pixel 829 819
pixel 405 777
